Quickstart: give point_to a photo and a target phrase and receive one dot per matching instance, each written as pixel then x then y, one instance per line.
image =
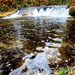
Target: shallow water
pixel 34 41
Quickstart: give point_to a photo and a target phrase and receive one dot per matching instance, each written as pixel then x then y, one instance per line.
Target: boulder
pixel 72 11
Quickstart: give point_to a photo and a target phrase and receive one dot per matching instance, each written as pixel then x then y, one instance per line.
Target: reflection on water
pixel 35 44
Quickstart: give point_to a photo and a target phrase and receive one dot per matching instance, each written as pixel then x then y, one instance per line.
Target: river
pixel 33 44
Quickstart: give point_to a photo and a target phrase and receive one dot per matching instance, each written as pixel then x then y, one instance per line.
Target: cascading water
pixel 51 11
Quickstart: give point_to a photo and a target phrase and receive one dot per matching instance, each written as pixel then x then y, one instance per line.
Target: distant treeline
pixel 6 5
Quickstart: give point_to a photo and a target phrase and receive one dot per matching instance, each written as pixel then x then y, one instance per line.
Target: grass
pixel 63 71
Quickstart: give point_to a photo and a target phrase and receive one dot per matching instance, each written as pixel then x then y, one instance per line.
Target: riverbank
pixel 3 14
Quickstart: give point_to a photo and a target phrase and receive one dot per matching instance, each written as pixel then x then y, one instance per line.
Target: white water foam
pixel 40 62
pixel 34 12
pixel 52 12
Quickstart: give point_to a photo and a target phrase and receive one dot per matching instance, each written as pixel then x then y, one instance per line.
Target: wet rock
pixel 71 30
pixel 10 59
pixel 67 51
pixel 72 11
pixel 71 50
pixel 25 13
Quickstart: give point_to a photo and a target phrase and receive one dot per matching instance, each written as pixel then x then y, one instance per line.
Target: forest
pixel 6 5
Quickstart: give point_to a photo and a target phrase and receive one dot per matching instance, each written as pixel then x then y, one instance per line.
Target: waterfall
pixel 51 11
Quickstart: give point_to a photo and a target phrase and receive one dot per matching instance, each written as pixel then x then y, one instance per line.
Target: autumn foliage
pixel 5 5
pixel 72 2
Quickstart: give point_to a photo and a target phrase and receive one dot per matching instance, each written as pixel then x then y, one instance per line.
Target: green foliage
pixel 63 71
pixel 3 8
pixel 18 6
pixel 18 1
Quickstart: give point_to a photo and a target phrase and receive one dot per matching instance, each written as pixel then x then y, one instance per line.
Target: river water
pixel 34 45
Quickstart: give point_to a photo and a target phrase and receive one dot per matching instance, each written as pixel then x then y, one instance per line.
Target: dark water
pixel 55 37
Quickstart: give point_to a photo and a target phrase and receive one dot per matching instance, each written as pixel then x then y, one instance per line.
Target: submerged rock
pixel 72 11
pixel 71 50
